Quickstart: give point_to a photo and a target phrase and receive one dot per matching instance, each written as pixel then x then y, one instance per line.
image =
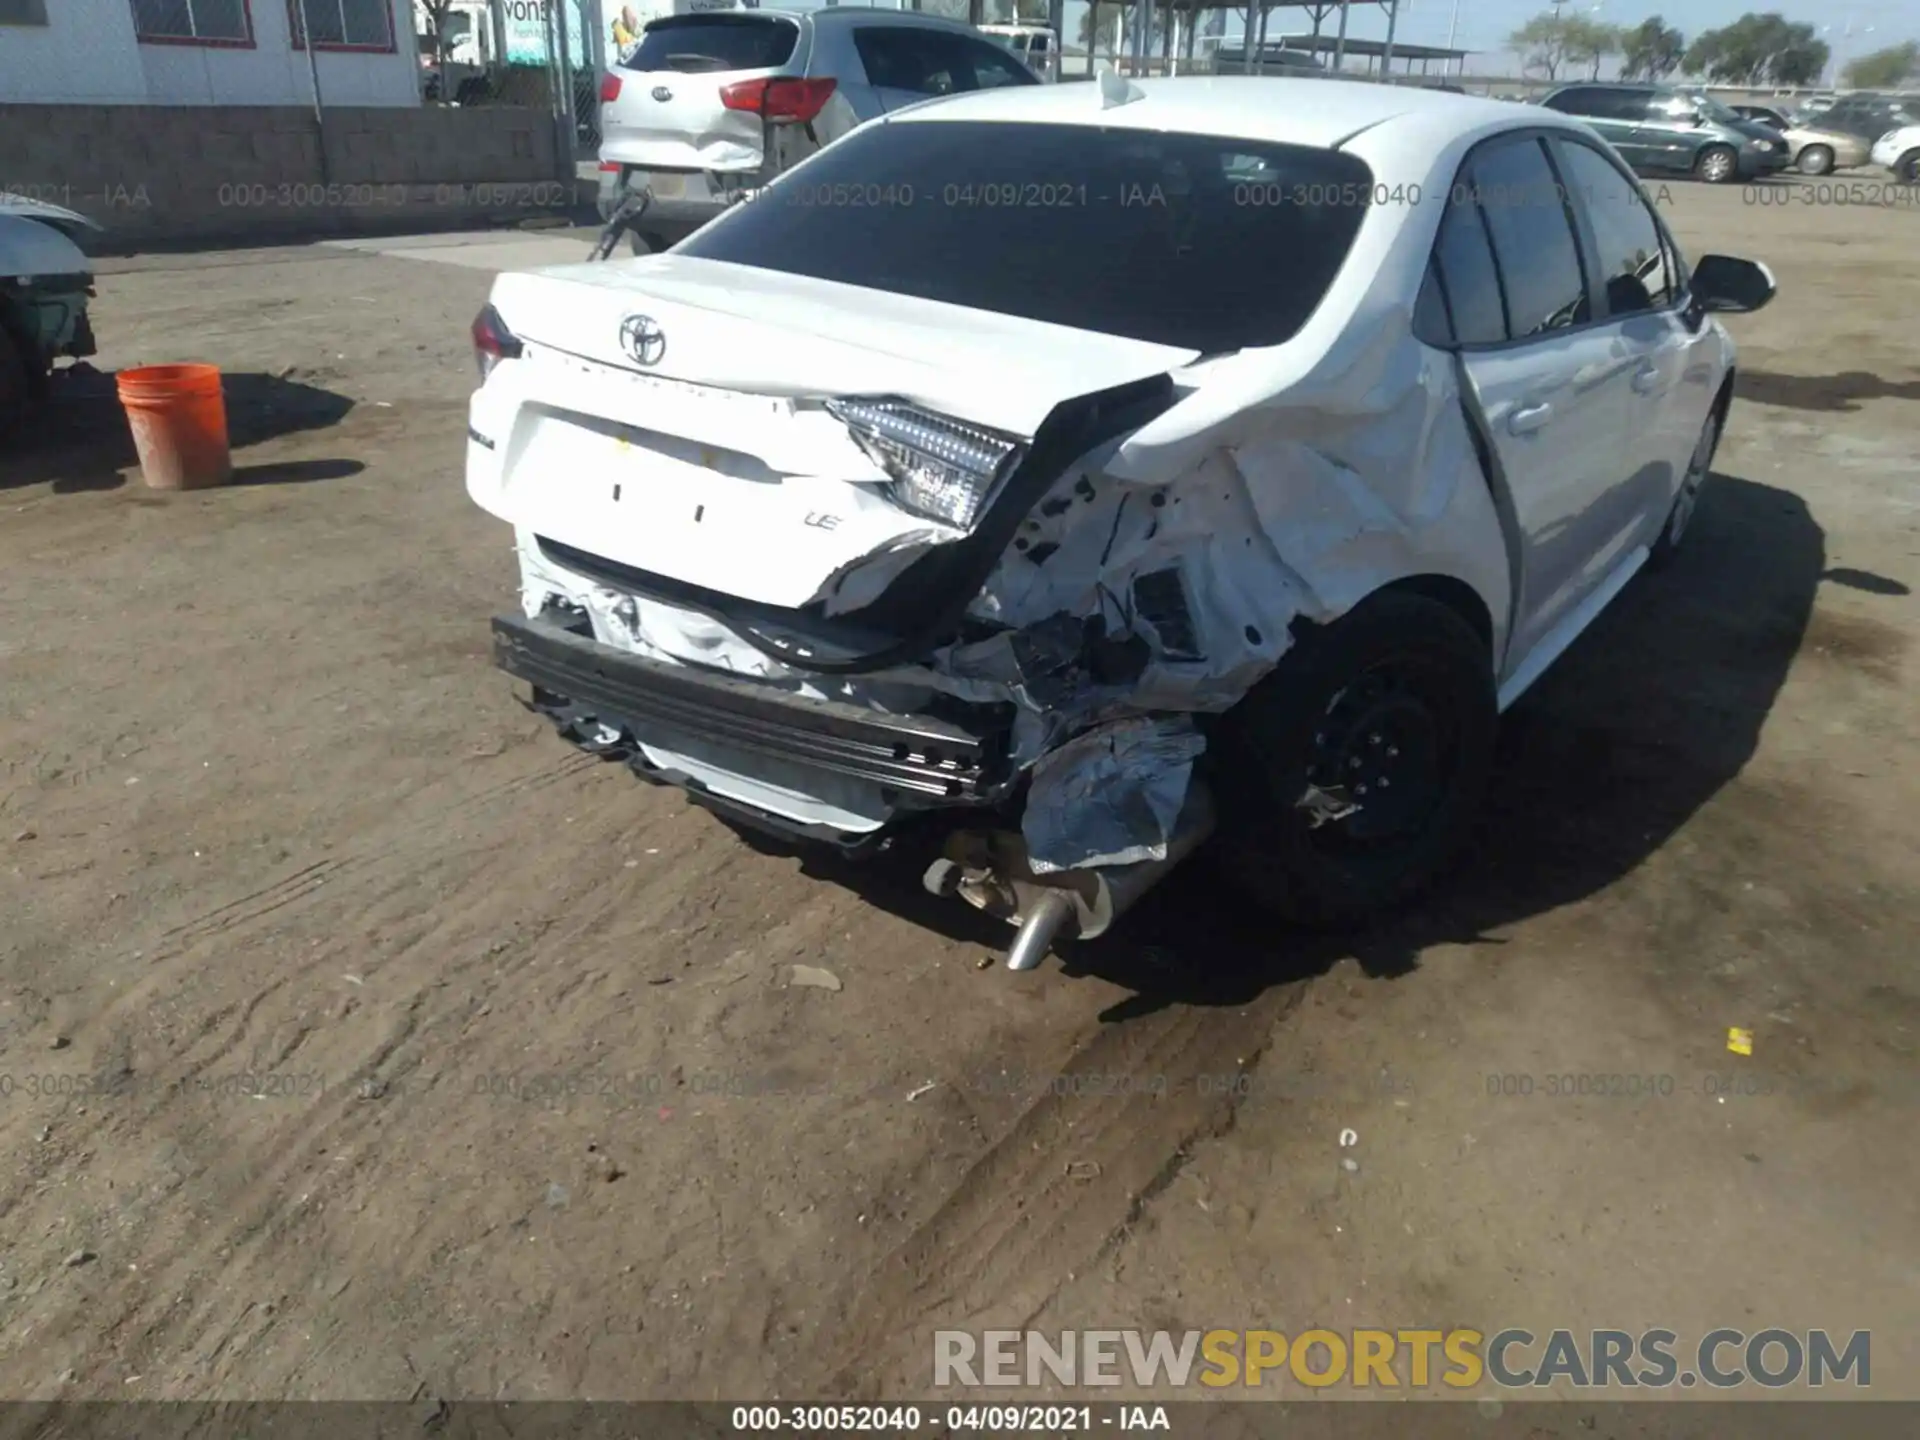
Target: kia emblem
pixel 642 338
pixel 662 94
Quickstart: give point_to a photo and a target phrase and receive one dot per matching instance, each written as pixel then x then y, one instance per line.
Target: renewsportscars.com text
pixel 1416 1359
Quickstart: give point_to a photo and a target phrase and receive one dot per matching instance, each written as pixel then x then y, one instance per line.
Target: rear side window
pixel 1526 215
pixel 1464 261
pixel 925 61
pixel 1197 241
pixel 1601 104
pixel 993 68
pixel 696 43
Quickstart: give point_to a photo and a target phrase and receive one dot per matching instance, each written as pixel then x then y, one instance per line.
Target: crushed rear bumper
pixel 920 762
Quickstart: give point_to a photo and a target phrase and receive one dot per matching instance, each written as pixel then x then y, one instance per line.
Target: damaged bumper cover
pixel 917 761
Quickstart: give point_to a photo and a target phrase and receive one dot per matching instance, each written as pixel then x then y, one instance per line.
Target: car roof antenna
pixel 1116 89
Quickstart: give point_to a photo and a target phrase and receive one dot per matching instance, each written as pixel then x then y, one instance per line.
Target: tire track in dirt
pixel 246 1167
pixel 1050 1197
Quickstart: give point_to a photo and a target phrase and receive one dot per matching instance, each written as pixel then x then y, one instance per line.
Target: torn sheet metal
pixel 1112 796
pixel 684 637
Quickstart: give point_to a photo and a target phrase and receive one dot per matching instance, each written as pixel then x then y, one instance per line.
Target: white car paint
pixel 1303 476
pixel 1888 149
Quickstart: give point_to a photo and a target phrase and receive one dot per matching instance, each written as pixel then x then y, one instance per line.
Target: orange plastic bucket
pixel 178 415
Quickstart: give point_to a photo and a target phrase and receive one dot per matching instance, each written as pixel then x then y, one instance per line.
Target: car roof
pixel 847 14
pixel 1647 85
pixel 1318 113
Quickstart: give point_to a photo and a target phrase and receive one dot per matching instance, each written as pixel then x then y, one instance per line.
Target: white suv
pixel 713 105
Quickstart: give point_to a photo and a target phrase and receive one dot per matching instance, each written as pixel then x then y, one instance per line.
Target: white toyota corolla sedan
pixel 1085 473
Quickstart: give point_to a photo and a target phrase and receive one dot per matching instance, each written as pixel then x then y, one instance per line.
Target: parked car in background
pixel 857 522
pixel 1035 46
pixel 713 105
pixel 1899 152
pixel 46 281
pixel 1870 115
pixel 1663 129
pixel 1816 149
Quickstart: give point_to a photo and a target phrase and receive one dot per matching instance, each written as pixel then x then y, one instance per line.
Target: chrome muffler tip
pixel 1040 929
pixel 991 872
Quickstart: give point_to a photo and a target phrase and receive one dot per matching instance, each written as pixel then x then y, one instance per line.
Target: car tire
pixel 1815 160
pixel 1398 667
pixel 1907 168
pixel 1686 500
pixel 1717 165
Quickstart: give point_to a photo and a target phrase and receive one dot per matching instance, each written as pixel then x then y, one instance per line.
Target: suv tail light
pixel 781 100
pixel 609 89
pixel 492 341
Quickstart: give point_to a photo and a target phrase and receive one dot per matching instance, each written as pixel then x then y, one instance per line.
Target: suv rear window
pixel 1203 242
pixel 696 43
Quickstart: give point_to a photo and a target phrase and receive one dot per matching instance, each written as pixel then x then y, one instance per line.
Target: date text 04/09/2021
pixel 951 1419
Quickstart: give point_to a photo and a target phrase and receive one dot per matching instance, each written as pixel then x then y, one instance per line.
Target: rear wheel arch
pixel 1456 595
pixel 1290 750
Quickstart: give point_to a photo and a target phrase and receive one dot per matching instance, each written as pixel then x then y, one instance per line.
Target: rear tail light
pixel 941 468
pixel 609 167
pixel 492 341
pixel 780 100
pixel 609 89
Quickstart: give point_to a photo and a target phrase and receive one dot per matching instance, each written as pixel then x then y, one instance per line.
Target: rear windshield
pixel 715 42
pixel 1208 243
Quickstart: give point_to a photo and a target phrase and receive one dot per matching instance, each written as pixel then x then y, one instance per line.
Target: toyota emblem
pixel 662 94
pixel 643 339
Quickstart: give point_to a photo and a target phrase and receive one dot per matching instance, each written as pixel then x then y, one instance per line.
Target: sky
pixel 1483 25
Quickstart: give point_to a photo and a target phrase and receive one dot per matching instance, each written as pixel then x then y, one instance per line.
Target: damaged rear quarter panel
pixel 1291 481
pixel 1360 475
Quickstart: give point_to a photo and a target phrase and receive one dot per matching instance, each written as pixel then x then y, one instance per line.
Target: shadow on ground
pixel 1842 392
pixel 1637 727
pixel 80 441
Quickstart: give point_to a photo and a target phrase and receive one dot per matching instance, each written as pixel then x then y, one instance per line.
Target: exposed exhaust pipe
pixel 990 871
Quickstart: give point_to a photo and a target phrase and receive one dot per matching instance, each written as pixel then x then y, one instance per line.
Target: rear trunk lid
pixel 670 114
pixel 713 463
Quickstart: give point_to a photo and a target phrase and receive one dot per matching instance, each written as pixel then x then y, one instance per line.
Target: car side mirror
pixel 1725 285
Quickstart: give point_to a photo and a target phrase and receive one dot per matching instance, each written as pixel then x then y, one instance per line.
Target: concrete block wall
pixel 173 173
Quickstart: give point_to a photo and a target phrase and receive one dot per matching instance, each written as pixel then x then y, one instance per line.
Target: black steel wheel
pixel 1350 776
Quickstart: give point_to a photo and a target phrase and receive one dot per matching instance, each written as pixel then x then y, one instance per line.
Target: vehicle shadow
pixel 1840 392
pixel 80 440
pixel 1636 728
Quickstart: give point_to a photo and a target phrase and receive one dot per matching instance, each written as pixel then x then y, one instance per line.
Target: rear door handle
pixel 1646 379
pixel 1529 418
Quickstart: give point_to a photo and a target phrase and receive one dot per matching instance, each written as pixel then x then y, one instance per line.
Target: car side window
pixel 993 68
pixel 1463 266
pixel 1628 105
pixel 1633 262
pixel 902 57
pixel 1673 110
pixel 1533 241
pixel 1599 103
pixel 1431 322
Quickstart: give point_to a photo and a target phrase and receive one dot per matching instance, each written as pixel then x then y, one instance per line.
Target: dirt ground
pixel 441 1061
